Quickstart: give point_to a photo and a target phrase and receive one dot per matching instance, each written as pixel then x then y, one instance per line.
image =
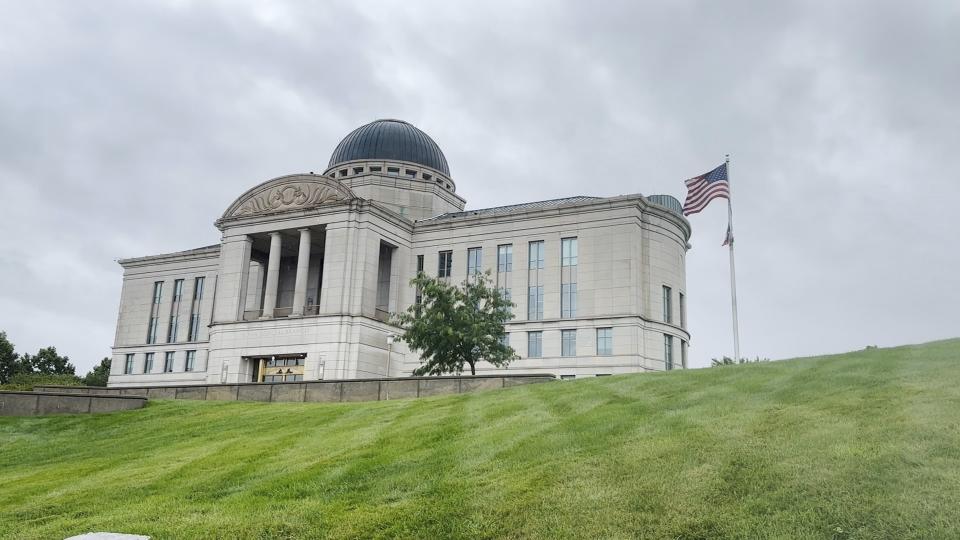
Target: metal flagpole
pixel 733 268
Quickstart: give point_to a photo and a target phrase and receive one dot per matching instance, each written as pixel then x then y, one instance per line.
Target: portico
pixel 285 276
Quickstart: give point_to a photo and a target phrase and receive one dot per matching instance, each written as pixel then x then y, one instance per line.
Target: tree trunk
pixel 473 369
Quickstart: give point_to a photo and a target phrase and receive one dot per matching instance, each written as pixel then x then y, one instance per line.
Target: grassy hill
pixel 858 445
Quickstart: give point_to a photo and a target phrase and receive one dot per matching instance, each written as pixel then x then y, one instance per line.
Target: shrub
pixel 26 381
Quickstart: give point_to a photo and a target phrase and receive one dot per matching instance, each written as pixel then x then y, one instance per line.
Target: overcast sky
pixel 126 128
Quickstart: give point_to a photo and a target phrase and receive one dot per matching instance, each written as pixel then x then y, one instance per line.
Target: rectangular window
pixel 411 173
pixel 198 288
pixel 568 278
pixel 505 258
pixel 148 362
pixel 667 305
pixel 536 255
pixel 683 311
pixel 375 168
pixel 604 341
pixel 505 339
pixel 128 365
pixel 394 171
pixel 168 362
pixel 157 291
pixel 668 351
pixel 474 261
pixel 175 311
pixel 568 342
pixel 445 266
pixel 534 344
pixel 419 293
pixel 568 252
pixel 505 269
pixel 358 170
pixel 535 302
pixel 568 300
pixel 191 360
pixel 154 312
pixel 535 281
pixel 194 331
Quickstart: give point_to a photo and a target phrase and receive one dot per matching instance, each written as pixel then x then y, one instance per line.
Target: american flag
pixel 704 188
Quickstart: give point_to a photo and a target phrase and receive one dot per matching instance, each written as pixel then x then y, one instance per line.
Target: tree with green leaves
pixel 454 326
pixel 10 363
pixel 99 374
pixel 48 362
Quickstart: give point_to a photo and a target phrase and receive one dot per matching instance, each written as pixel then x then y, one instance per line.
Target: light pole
pixel 391 337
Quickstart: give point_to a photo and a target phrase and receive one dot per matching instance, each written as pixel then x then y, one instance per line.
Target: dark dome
pixel 390 140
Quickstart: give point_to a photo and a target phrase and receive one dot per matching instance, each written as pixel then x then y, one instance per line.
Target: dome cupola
pixel 390 140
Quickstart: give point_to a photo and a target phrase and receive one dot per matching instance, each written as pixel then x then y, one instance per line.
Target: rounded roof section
pixel 390 140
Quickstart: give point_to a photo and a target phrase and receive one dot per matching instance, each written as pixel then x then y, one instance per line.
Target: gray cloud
pixel 127 128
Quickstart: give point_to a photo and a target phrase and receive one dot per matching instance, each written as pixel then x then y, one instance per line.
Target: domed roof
pixel 390 140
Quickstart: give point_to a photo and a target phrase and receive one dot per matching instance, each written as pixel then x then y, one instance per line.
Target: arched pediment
pixel 293 192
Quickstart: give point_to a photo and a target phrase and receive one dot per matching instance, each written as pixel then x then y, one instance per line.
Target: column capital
pixel 305 229
pixel 274 233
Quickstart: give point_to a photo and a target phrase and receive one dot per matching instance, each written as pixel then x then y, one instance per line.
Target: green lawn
pixel 859 445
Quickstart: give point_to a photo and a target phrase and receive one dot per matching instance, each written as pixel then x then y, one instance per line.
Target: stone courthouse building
pixel 309 267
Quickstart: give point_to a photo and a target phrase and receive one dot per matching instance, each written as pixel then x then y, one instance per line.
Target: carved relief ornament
pixel 289 193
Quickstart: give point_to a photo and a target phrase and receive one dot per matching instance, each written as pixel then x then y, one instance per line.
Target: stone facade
pixel 310 266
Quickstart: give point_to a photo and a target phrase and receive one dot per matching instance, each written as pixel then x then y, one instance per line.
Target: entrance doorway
pixel 277 367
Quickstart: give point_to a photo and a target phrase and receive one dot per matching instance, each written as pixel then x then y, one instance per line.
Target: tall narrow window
pixel 667 305
pixel 568 278
pixel 505 269
pixel 191 360
pixel 445 264
pixel 568 342
pixel 604 341
pixel 419 293
pixel 474 261
pixel 175 311
pixel 168 362
pixel 154 312
pixel 128 365
pixel 668 351
pixel 194 333
pixel 534 344
pixel 535 281
pixel 148 362
pixel 505 339
pixel 683 311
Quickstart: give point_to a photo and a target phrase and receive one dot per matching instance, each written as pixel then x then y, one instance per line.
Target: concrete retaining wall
pixel 43 403
pixel 314 391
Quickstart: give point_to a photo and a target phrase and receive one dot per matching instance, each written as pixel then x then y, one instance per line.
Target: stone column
pixel 273 276
pixel 303 268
